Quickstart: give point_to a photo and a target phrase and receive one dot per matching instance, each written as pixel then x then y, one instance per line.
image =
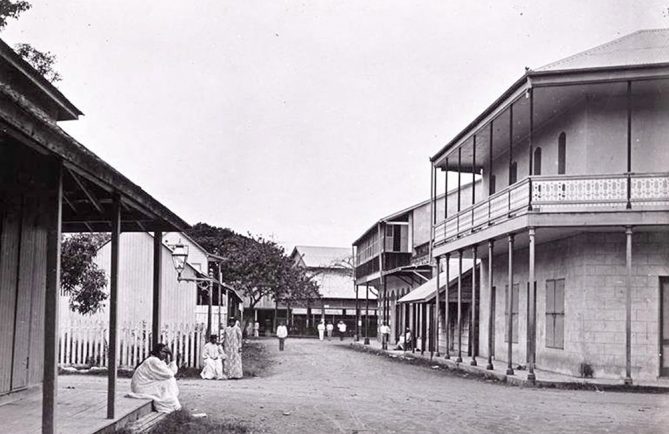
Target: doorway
pixel 664 326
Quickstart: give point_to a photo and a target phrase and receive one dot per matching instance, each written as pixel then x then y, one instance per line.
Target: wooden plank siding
pixel 22 268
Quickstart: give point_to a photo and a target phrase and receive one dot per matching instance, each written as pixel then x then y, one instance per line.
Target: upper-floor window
pixel 397 238
pixel 513 173
pixel 562 153
pixel 537 161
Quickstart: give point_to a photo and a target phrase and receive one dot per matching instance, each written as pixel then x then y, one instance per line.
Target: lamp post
pixel 179 258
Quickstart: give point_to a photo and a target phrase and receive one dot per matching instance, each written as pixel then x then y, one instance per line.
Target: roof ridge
pixel 600 47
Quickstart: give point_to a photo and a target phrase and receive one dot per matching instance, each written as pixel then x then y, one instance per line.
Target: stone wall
pixel 593 266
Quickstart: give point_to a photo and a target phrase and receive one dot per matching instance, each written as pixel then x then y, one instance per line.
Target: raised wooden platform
pixel 82 408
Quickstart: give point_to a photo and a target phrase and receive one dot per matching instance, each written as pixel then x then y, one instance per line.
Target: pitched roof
pixel 644 47
pixel 322 257
pixel 333 284
pixel 427 290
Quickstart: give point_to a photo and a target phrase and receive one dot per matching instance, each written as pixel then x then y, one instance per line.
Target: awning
pixel 427 291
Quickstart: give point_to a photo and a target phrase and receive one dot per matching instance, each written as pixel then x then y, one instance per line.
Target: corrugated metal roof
pixel 322 257
pixel 427 290
pixel 644 47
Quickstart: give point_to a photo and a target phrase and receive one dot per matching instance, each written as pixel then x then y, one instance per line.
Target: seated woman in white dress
pixel 154 379
pixel 213 360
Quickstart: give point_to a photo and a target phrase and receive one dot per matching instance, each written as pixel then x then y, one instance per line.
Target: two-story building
pixel 574 213
pixel 392 258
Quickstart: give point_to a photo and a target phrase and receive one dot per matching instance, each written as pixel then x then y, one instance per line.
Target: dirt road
pixel 327 387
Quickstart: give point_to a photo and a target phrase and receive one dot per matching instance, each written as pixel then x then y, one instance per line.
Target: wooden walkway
pixel 82 408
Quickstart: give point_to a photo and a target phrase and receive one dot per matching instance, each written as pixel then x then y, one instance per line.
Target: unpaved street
pixel 327 387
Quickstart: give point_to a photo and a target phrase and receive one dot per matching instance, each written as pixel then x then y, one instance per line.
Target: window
pixel 491 187
pixel 562 154
pixel 555 313
pixel 514 313
pixel 537 161
pixel 513 173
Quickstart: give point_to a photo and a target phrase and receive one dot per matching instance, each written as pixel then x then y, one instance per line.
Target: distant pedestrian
pixel 256 329
pixel 329 328
pixel 342 330
pixel 321 330
pixel 385 336
pixel 282 334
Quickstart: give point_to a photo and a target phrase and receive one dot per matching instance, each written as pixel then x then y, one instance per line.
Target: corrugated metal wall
pixel 22 269
pixel 135 298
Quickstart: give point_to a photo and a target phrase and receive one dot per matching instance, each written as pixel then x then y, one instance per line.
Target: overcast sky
pixel 302 120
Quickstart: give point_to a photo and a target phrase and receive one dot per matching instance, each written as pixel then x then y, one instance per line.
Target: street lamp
pixel 179 257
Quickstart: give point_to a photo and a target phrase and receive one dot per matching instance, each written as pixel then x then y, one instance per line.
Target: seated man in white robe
pixel 154 379
pixel 213 360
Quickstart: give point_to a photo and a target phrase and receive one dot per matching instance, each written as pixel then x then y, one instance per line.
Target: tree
pixel 255 266
pixel 43 62
pixel 81 279
pixel 11 10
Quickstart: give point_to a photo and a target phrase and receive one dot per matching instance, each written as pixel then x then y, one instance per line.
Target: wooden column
pixel 459 358
pixel 357 315
pixel 423 328
pixel 437 310
pixel 532 284
pixel 210 290
pixel 629 145
pixel 510 140
pixel 433 208
pixel 628 305
pixel 472 328
pixel 531 145
pixel 157 286
pixel 473 174
pixel 54 227
pixel 367 313
pixel 446 191
pixel 509 307
pixel 113 304
pixel 490 158
pixel 459 178
pixel 414 328
pixel 446 315
pixel 491 306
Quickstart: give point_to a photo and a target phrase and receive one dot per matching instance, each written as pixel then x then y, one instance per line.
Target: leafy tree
pixel 256 266
pixel 81 279
pixel 43 62
pixel 11 10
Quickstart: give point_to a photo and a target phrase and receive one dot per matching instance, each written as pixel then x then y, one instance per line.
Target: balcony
pixel 559 194
pixel 390 260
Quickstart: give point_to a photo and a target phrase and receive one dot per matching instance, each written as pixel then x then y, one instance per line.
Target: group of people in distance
pixel 154 378
pixel 329 328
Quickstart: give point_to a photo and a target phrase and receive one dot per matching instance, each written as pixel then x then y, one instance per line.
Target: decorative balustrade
pixel 562 193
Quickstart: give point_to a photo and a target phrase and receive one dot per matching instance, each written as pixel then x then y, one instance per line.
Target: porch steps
pixel 146 423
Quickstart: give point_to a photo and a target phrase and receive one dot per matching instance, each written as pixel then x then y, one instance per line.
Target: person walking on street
pixel 342 329
pixel 282 334
pixel 321 330
pixel 329 328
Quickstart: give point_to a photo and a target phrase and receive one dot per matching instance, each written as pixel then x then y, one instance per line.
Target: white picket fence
pixel 86 343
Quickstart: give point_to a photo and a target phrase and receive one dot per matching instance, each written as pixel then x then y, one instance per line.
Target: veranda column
pixel 157 272
pixel 533 314
pixel 53 237
pixel 113 304
pixel 367 313
pixel 423 328
pixel 357 315
pixel 509 309
pixel 459 358
pixel 628 305
pixel 446 315
pixel 472 328
pixel 436 311
pixel 414 327
pixel 491 306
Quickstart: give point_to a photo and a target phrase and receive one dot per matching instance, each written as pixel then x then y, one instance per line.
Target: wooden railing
pixel 561 193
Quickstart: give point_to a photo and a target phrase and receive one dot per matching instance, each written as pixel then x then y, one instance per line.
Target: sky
pixel 301 121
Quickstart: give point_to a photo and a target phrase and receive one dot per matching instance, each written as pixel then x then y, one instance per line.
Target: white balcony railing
pixel 562 193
